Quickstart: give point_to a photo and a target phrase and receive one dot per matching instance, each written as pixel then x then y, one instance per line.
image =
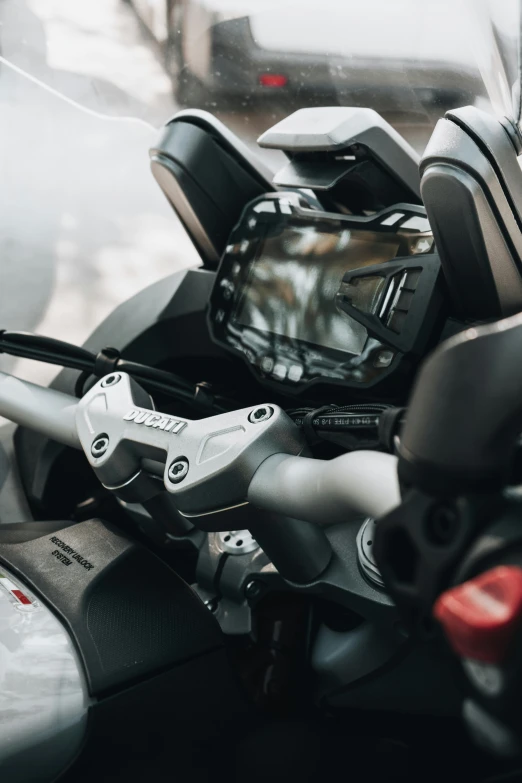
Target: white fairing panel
pixel 43 694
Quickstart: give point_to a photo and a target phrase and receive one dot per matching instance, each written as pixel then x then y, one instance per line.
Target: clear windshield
pixel 83 225
pixel 411 60
pixel 84 85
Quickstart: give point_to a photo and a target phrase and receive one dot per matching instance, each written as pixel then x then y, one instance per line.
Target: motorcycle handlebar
pixel 45 410
pixel 319 491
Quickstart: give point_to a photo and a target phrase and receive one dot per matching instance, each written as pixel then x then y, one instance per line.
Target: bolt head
pixel 253 588
pixel 178 470
pixel 100 445
pixel 111 380
pixel 260 414
pixel 212 605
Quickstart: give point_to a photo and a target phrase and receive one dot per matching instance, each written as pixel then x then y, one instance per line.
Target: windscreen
pixel 83 224
pixel 293 282
pixel 410 60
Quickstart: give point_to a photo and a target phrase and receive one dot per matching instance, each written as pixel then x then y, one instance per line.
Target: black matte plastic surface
pixel 471 185
pixel 171 727
pixel 465 413
pixel 22 532
pixel 207 180
pixel 427 304
pixel 349 151
pixel 129 613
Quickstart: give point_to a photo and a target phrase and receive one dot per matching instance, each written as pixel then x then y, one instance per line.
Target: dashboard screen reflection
pixel 293 282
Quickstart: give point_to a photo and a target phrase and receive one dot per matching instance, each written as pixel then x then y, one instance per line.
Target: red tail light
pixel 272 80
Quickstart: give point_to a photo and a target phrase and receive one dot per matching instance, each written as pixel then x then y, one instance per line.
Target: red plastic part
pixel 272 80
pixel 481 616
pixel 21 597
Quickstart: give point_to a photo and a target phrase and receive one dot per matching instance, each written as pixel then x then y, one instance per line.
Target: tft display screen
pixel 293 281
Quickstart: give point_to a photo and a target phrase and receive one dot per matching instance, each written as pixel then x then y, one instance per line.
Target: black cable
pixel 153 374
pixel 28 341
pixel 309 429
pixel 349 425
pixel 46 349
pixel 352 426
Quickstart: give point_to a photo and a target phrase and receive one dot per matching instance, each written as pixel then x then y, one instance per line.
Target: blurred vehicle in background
pixel 343 51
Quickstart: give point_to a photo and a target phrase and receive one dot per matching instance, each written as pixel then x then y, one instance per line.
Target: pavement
pixel 83 225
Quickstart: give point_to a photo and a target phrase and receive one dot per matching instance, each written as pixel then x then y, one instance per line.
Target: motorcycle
pixel 227 523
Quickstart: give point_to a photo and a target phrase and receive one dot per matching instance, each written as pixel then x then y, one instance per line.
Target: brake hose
pixel 46 349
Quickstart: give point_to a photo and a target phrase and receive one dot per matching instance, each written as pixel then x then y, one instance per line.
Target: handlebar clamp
pixel 207 464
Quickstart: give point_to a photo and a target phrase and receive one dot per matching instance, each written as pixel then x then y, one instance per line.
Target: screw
pixel 383 359
pixel 111 380
pixel 442 524
pixel 100 445
pixel 178 470
pixel 260 414
pixel 212 605
pixel 253 588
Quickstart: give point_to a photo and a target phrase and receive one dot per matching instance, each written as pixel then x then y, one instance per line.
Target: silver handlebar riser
pixel 327 491
pixel 47 411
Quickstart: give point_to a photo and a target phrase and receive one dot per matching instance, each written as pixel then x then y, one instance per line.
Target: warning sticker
pixel 22 599
pixel 67 554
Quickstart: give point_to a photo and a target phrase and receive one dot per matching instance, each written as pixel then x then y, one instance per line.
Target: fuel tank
pixel 43 692
pixel 111 666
